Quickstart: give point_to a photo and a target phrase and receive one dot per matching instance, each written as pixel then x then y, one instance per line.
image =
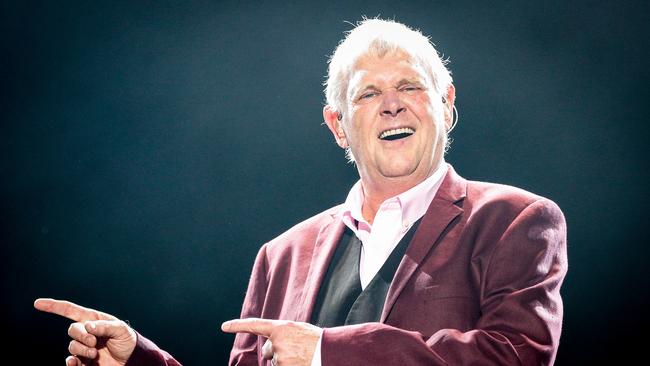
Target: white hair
pixel 377 37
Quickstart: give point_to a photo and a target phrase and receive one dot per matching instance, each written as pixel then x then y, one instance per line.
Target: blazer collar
pixel 432 229
pixel 324 247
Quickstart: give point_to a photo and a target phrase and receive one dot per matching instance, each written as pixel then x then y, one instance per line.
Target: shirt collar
pixel 413 203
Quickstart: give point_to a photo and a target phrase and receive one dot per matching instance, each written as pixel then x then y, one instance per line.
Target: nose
pixel 391 103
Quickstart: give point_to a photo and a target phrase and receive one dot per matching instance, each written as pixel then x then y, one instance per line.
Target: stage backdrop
pixel 148 149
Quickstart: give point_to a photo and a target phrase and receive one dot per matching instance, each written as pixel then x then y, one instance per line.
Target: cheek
pixel 429 115
pixel 436 116
pixel 360 123
pixel 436 108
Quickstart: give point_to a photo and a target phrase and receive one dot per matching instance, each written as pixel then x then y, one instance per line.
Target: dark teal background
pixel 148 149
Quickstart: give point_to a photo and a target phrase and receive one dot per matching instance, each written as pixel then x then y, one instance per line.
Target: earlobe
pixel 341 140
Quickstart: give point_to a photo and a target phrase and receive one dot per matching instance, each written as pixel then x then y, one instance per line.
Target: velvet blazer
pixel 479 285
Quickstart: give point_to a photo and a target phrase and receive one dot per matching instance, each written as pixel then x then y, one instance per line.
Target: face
pixel 394 123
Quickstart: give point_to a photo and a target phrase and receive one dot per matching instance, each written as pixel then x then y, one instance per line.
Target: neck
pixel 375 193
pixel 378 188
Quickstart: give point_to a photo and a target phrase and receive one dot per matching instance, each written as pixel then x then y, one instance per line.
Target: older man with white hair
pixel 417 267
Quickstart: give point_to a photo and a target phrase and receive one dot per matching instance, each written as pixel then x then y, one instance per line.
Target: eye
pixel 368 95
pixel 410 88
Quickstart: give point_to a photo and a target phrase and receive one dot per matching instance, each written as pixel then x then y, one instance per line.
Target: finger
pixel 69 310
pixel 72 361
pixel 77 348
pixel 262 327
pixel 77 331
pixel 267 350
pixel 76 361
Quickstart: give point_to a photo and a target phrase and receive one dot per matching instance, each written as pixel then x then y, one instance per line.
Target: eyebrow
pixel 400 83
pixel 409 81
pixel 404 81
pixel 370 86
pixel 359 92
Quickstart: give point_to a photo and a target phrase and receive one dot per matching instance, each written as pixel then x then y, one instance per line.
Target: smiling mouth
pixel 396 134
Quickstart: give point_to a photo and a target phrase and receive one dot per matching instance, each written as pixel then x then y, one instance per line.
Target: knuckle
pixel 115 327
pixel 285 328
pixel 72 329
pixel 78 349
pixel 72 347
pixel 71 361
pixel 89 340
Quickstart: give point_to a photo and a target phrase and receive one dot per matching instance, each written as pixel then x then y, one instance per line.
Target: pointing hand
pixel 97 338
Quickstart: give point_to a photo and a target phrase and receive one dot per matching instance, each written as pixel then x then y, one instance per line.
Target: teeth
pixel 396 131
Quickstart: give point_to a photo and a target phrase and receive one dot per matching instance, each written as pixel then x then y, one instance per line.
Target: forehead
pixel 386 69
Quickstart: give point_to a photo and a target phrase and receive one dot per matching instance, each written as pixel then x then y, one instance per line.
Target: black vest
pixel 340 299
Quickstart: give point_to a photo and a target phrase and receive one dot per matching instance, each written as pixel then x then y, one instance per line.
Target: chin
pixel 398 170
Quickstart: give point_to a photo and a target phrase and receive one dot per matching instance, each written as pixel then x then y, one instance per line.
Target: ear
pixel 449 105
pixel 335 125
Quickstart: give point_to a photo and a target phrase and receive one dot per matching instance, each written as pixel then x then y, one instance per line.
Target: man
pixel 418 266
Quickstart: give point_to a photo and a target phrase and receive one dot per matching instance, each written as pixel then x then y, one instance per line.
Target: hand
pixel 289 343
pixel 97 338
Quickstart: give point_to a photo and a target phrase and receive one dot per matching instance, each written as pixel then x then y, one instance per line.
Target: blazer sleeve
pixel 521 308
pixel 146 353
pixel 245 347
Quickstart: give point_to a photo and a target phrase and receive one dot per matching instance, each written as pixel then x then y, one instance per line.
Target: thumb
pixel 115 329
pixel 119 338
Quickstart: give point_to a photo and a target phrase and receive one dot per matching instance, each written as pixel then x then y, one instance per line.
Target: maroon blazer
pixel 479 284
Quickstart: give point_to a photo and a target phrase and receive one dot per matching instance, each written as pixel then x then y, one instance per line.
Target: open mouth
pixel 396 134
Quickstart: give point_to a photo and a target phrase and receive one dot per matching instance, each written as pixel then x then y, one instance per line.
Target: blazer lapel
pixel 441 212
pixel 324 247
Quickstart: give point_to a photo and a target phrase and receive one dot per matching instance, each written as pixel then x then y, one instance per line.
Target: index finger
pixel 261 327
pixel 70 310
